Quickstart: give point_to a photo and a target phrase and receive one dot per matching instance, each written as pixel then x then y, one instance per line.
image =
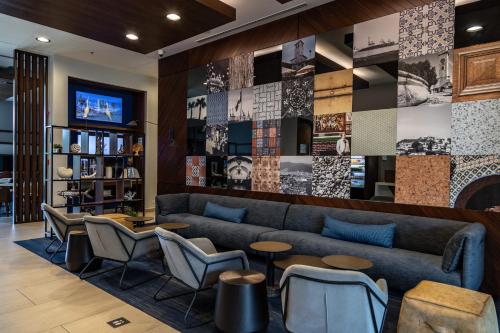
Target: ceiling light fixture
pixel 132 36
pixel 42 39
pixel 474 28
pixel 173 17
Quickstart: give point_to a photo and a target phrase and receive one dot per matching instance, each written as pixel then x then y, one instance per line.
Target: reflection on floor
pixel 40 297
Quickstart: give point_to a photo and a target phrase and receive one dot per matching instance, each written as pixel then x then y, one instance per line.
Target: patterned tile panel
pixel 423 180
pixel 266 138
pixel 374 132
pixel 267 101
pixel 331 176
pixel 427 29
pixel 266 174
pixel 217 108
pixel 241 71
pixel 475 128
pixel 195 171
pixel 298 97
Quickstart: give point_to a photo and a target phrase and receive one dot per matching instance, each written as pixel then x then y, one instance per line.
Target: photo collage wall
pixel 361 112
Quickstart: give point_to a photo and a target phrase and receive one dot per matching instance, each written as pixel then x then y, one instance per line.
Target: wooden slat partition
pixel 31 78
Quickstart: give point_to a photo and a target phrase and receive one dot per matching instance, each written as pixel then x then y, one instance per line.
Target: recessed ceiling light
pixel 132 36
pixel 42 39
pixel 173 17
pixel 474 28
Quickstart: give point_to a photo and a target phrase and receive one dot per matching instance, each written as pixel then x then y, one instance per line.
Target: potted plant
pixel 57 148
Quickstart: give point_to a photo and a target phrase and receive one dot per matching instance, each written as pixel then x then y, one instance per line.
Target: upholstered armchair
pixel 195 263
pixel 61 225
pixel 320 300
pixel 114 242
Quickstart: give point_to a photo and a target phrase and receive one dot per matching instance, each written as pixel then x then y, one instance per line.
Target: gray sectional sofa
pixel 417 254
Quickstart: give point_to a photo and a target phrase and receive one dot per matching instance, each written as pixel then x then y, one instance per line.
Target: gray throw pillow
pixel 453 251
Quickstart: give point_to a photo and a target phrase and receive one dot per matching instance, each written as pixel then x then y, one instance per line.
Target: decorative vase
pixel 75 148
pixel 109 172
pixel 137 149
pixel 64 172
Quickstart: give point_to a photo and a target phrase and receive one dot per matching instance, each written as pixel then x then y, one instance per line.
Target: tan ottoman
pixel 433 307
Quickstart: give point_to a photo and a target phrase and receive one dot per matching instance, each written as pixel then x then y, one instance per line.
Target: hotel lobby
pixel 250 166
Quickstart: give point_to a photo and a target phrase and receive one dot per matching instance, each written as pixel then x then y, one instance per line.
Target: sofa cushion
pixel 379 235
pixel 259 212
pixel 216 211
pixel 415 233
pixel 227 234
pixel 402 269
pixel 172 203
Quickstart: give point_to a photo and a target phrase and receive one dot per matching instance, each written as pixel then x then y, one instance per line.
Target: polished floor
pixel 36 296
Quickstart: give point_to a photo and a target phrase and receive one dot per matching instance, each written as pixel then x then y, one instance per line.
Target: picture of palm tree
pixel 201 103
pixel 197 107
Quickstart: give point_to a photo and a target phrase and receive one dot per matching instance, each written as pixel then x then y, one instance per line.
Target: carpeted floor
pixel 172 311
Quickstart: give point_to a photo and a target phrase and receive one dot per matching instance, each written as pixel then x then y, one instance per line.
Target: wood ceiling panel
pixel 109 21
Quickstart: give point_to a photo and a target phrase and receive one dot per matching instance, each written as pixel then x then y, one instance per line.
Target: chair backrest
pixel 109 239
pixel 185 260
pixel 320 300
pixel 57 221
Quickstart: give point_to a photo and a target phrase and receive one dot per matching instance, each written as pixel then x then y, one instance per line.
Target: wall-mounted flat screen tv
pixel 101 108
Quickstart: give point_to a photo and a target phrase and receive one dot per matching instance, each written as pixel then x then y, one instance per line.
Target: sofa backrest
pixel 415 233
pixel 259 212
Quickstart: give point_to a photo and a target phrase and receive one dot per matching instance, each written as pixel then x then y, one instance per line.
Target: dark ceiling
pixel 109 21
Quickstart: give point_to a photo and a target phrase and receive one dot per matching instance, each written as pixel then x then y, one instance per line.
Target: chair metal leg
pixel 51 259
pixel 98 273
pixel 48 247
pixel 190 306
pixel 123 275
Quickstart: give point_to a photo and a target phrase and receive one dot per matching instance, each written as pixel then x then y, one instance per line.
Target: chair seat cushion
pixel 227 234
pixel 403 269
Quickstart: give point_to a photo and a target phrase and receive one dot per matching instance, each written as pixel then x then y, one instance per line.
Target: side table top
pixel 347 262
pixel 271 246
pixel 242 277
pixel 300 260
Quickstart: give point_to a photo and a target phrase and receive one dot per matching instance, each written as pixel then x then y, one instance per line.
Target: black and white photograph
pixel 239 172
pixel 296 175
pixel 298 57
pixel 217 76
pixel 425 80
pixel 217 140
pixel 197 107
pixel 240 105
pixel 424 130
pixel 216 171
pixel 376 41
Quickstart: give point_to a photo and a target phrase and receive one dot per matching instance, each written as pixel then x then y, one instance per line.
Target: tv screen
pixel 95 107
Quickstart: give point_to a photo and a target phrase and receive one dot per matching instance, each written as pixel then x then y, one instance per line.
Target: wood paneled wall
pixel 172 114
pixel 31 77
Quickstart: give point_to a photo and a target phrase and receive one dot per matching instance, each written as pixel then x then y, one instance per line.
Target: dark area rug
pixel 171 312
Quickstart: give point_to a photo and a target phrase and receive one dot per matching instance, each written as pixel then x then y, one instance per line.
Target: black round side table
pixel 79 252
pixel 241 305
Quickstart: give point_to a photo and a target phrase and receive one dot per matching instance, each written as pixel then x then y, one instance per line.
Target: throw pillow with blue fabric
pixel 224 213
pixel 373 234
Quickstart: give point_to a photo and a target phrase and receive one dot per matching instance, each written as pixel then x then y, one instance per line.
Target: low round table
pixel 241 304
pixel 79 252
pixel 139 221
pixel 300 259
pixel 347 262
pixel 270 249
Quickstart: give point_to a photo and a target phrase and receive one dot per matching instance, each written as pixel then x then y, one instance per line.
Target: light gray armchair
pixel 195 263
pixel 61 225
pixel 114 242
pixel 320 300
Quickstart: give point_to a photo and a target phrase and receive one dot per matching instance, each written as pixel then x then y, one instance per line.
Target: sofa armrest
pixel 473 256
pixel 172 204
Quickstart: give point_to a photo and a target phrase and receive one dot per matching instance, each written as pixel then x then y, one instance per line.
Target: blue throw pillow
pixel 224 213
pixel 373 234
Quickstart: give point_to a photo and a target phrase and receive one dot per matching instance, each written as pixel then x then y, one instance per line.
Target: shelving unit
pixel 102 176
